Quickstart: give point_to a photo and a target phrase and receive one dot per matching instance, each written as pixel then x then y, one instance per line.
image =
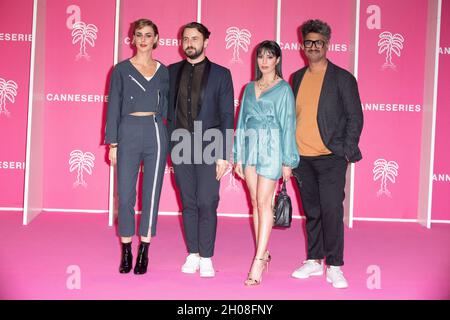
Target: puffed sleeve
pixel 114 105
pixel 238 145
pixel 287 120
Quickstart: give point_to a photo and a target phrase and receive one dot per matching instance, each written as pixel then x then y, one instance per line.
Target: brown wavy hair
pixel 141 23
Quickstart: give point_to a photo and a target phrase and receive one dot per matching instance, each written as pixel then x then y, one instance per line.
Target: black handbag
pixel 282 210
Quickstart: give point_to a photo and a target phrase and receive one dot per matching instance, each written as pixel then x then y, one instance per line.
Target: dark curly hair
pixel 316 26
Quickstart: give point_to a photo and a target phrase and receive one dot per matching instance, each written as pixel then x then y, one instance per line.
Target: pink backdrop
pixel 169 21
pixel 391 88
pixel 441 186
pixel 338 14
pixel 391 135
pixel 78 71
pixel 15 44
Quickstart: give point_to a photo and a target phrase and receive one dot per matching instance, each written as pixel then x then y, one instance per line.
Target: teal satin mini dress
pixel 265 132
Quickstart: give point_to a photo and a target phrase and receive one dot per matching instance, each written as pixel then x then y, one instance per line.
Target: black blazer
pixel 339 115
pixel 216 102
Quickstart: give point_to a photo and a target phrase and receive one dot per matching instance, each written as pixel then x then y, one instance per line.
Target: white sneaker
pixel 309 268
pixel 206 268
pixel 192 263
pixel 336 277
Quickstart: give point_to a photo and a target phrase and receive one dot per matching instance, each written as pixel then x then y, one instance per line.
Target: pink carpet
pixel 414 262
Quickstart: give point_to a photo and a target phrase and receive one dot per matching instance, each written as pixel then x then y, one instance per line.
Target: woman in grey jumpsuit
pixel 137 102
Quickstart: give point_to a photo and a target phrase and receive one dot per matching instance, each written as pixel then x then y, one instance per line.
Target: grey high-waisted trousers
pixel 140 139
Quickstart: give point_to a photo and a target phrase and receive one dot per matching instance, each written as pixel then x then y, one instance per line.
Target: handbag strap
pixel 283 187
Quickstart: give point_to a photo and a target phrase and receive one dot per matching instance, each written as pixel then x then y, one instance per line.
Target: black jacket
pixel 339 115
pixel 216 102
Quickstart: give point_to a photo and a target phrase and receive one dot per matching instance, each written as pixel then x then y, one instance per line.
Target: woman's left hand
pixel 287 173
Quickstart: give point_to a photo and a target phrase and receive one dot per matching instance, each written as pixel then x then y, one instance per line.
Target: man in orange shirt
pixel 329 124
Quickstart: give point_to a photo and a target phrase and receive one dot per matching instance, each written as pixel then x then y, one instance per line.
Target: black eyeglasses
pixel 317 43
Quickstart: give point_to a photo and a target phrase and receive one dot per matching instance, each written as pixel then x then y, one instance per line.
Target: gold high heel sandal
pixel 254 282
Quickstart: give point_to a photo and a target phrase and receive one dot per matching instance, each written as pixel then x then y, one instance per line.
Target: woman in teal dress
pixel 265 146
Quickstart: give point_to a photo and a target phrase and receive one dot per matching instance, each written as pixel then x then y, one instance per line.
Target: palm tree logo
pixel 238 39
pixel 385 170
pixel 81 162
pixel 8 91
pixel 389 44
pixel 84 33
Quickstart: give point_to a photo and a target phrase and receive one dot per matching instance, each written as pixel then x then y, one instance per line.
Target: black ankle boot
pixel 142 259
pixel 127 258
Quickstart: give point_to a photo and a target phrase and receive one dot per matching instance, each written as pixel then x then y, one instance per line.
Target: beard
pixel 194 54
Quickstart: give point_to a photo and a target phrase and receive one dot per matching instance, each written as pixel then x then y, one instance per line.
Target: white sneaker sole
pixel 207 275
pixel 335 286
pixel 190 271
pixel 318 273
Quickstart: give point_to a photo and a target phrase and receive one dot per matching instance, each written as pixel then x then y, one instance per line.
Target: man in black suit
pixel 329 125
pixel 201 101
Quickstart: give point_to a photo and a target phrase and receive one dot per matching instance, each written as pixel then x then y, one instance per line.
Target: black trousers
pixel 199 192
pixel 321 181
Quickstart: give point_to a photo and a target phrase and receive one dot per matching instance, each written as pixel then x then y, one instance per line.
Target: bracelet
pixel 113 146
